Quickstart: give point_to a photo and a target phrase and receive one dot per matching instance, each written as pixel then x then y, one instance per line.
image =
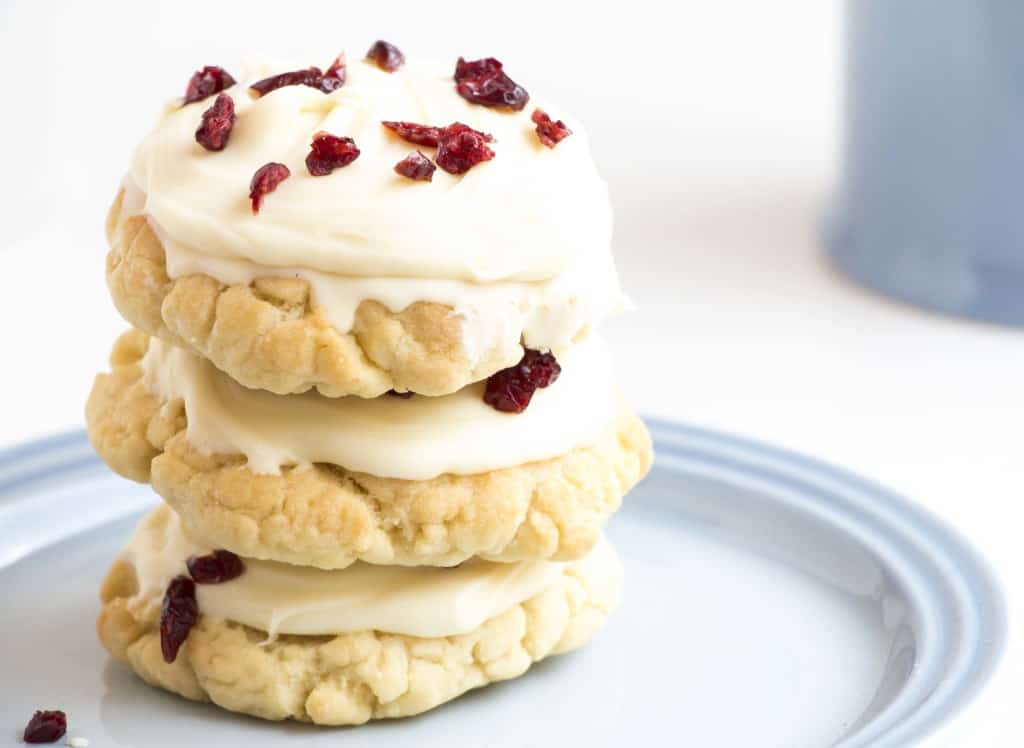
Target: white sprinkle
pixel 78 742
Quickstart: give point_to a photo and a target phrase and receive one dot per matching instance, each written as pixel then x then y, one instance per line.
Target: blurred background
pixel 720 127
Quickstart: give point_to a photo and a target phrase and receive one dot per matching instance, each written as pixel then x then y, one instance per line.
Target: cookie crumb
pixel 77 742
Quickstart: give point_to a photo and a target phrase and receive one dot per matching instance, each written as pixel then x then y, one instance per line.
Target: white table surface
pixel 741 324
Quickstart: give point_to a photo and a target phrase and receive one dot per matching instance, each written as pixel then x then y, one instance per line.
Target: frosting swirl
pixel 526 215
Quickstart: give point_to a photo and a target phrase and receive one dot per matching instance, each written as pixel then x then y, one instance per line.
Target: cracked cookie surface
pixel 268 334
pixel 349 678
pixel 326 516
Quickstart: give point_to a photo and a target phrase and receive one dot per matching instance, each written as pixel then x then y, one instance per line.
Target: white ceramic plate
pixel 770 601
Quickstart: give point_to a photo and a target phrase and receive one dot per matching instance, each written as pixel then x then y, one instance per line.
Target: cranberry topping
pixel 45 727
pixel 416 166
pixel 265 180
pixel 329 152
pixel 485 82
pixel 418 134
pixel 510 390
pixel 177 616
pixel 461 148
pixel 508 394
pixel 215 568
pixel 334 78
pixel 549 131
pixel 206 82
pixel 309 77
pixel 385 56
pixel 217 121
pixel 313 77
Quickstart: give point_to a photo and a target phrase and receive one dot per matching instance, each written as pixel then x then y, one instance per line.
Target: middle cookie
pixel 325 482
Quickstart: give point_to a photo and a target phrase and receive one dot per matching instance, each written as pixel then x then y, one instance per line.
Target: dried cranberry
pixel 329 152
pixel 206 82
pixel 45 727
pixel 510 390
pixel 461 148
pixel 543 369
pixel 508 394
pixel 386 56
pixel 215 568
pixel 308 77
pixel 313 77
pixel 484 82
pixel 217 121
pixel 416 166
pixel 265 180
pixel 335 76
pixel 549 131
pixel 418 134
pixel 178 615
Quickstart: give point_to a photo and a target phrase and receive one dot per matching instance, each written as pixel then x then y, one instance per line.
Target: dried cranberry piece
pixel 335 76
pixel 485 82
pixel 206 82
pixel 265 180
pixel 215 568
pixel 309 77
pixel 313 77
pixel 416 166
pixel 508 394
pixel 217 121
pixel 418 134
pixel 510 390
pixel 329 152
pixel 549 131
pixel 461 148
pixel 386 56
pixel 543 369
pixel 45 727
pixel 178 615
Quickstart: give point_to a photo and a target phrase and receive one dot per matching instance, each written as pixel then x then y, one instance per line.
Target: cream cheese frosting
pixel 526 215
pixel 413 439
pixel 285 599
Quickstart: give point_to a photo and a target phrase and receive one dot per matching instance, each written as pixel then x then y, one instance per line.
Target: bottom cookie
pixel 354 677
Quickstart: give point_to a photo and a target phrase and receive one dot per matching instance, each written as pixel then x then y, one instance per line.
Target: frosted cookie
pixel 324 482
pixel 367 657
pixel 353 278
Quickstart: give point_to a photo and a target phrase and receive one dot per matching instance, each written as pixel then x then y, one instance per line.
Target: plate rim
pixel 948 673
pixel 943 682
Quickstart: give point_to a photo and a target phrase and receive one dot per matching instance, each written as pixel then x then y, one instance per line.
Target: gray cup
pixel 931 203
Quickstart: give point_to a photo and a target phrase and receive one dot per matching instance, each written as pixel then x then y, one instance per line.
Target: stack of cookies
pixel 365 380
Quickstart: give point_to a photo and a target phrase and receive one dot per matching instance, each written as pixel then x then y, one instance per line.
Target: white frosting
pixel 285 599
pixel 414 439
pixel 525 215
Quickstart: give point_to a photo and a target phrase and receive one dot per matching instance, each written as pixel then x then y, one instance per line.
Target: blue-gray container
pixel 931 203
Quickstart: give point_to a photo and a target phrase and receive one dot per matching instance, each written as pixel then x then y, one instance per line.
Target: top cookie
pixel 394 282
